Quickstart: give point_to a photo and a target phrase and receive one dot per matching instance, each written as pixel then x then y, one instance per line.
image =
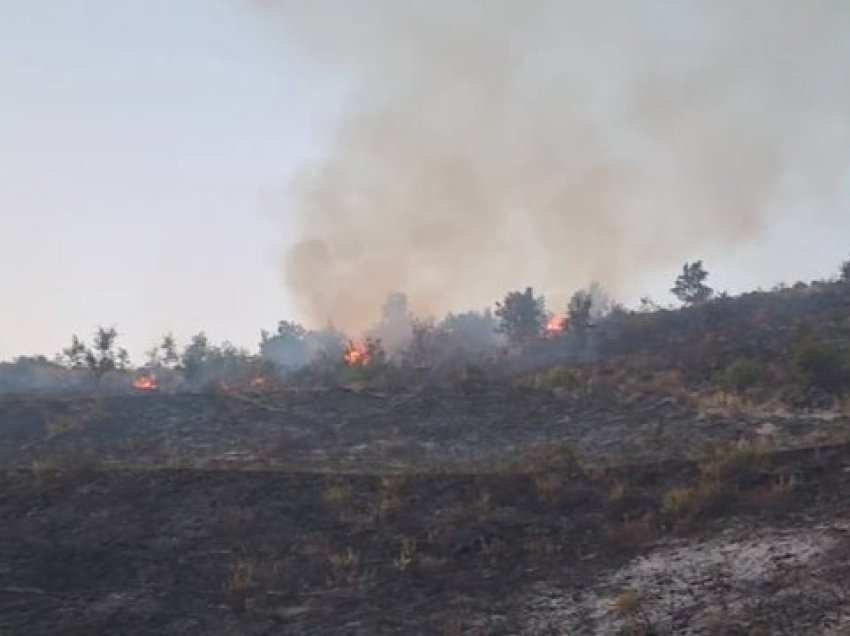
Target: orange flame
pixel 355 355
pixel 146 383
pixel 556 324
pixel 258 382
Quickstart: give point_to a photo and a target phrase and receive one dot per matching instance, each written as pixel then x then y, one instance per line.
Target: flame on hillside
pixel 355 354
pixel 146 383
pixel 556 324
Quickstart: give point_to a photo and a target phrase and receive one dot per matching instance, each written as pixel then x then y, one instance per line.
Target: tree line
pixel 516 321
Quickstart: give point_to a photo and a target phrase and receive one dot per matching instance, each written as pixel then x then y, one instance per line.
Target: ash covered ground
pixel 637 490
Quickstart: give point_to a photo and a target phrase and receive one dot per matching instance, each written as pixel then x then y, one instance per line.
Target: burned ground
pixel 549 551
pixel 632 497
pixel 426 429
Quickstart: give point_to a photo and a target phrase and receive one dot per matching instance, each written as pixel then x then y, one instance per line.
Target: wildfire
pixel 259 382
pixel 355 355
pixel 555 325
pixel 146 383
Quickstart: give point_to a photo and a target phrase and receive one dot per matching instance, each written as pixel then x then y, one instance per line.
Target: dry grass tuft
pixel 449 623
pixel 632 534
pixel 775 494
pixel 406 555
pixel 724 476
pixel 688 503
pixel 430 564
pixel 540 550
pixel 548 487
pixel 389 497
pixel 627 603
pixel 240 583
pixel 338 495
pixel 732 465
pixel 617 492
pixel 344 568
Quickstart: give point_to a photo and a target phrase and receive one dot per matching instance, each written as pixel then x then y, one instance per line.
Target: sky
pixel 145 152
pixel 143 145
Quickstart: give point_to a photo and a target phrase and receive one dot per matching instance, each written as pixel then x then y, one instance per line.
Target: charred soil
pixel 638 491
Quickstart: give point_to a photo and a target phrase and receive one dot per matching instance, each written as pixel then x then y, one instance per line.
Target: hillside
pixel 674 472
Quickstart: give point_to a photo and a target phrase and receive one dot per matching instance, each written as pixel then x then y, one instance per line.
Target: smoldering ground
pixel 488 145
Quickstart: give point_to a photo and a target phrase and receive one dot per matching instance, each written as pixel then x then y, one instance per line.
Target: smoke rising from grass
pixel 488 145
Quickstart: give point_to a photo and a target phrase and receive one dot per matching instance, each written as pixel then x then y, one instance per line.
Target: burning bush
pixel 146 382
pixel 364 361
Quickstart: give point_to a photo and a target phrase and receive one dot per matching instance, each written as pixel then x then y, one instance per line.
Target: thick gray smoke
pixel 491 144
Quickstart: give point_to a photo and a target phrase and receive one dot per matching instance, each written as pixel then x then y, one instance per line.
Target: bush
pixel 734 466
pixel 557 378
pixel 723 476
pixel 823 366
pixel 369 365
pixel 742 374
pixel 687 504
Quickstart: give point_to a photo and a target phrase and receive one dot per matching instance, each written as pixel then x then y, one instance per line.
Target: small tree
pixel 601 303
pixel 287 349
pixel 823 365
pixel 845 271
pixel 522 316
pixel 579 310
pixel 196 354
pixel 170 357
pixel 325 347
pixel 102 357
pixel 648 306
pixel 164 355
pixel 690 285
pixel 395 308
pixel 375 354
pixel 152 358
pixel 74 356
pixel 396 326
pixel 424 340
pixel 122 359
pixel 472 331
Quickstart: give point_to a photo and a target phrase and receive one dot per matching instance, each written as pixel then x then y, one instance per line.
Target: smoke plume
pixel 485 145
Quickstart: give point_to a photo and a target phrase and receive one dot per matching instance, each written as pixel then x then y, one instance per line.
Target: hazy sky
pixel 144 149
pixel 141 143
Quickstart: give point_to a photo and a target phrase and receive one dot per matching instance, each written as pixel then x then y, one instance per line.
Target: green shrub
pixel 742 374
pixel 557 378
pixel 823 366
pixel 733 466
pixel 723 476
pixel 688 503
